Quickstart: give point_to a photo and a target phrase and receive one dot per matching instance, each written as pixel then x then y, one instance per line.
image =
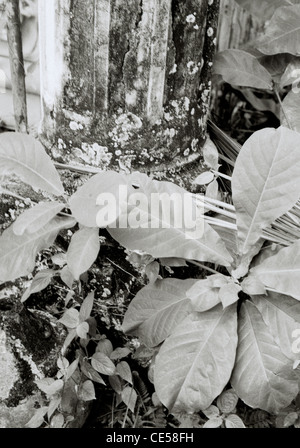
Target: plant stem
pixel 200 265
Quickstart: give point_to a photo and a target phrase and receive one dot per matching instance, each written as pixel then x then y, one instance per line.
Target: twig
pixel 14 39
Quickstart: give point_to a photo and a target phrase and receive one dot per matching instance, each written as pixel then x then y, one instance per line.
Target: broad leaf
pixel 282 271
pixel 264 8
pixel 24 156
pixel 91 373
pixel 82 330
pixel 282 34
pixel 290 115
pixel 240 68
pixel 113 188
pixel 262 377
pixel 282 316
pixel 83 251
pixel 157 309
pixel 195 363
pixel 265 182
pixel 18 253
pixel 163 221
pixel 36 217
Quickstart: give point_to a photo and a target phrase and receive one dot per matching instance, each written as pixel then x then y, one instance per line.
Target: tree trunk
pixel 132 77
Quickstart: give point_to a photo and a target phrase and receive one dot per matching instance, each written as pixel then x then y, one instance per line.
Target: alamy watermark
pixel 154 211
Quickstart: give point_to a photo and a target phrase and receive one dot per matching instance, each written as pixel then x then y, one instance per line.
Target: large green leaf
pixel 83 250
pixel 262 377
pixel 18 253
pixel 83 203
pixel 237 67
pixel 36 217
pixel 264 8
pixel 157 309
pixel 282 34
pixel 265 182
pixel 282 315
pixel 195 363
pixel 282 271
pixel 161 237
pixel 25 157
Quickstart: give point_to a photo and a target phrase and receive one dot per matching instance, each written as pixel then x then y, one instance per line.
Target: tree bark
pixel 133 77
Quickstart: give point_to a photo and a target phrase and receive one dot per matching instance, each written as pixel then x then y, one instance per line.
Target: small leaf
pixel 204 178
pixel 84 202
pixel 251 285
pixel 18 253
pixel 40 282
pixel 105 346
pixel 103 364
pixel 229 294
pixel 24 156
pixel 291 74
pixel 116 384
pixel 234 421
pixel 67 276
pixel 71 369
pixel 240 68
pixel 212 190
pixel 152 271
pixel 124 371
pixel 57 421
pixel 38 418
pixel 86 307
pixel 35 218
pixel 70 318
pixel 87 391
pixel 227 401
pixel 82 330
pixel 53 405
pixel 203 296
pixel 214 422
pixel 211 154
pixel 282 34
pixel 119 353
pixel 59 259
pixel 211 411
pixel 83 251
pixel 129 397
pixel 91 373
pixel 290 419
pixel 50 386
pixel 290 115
